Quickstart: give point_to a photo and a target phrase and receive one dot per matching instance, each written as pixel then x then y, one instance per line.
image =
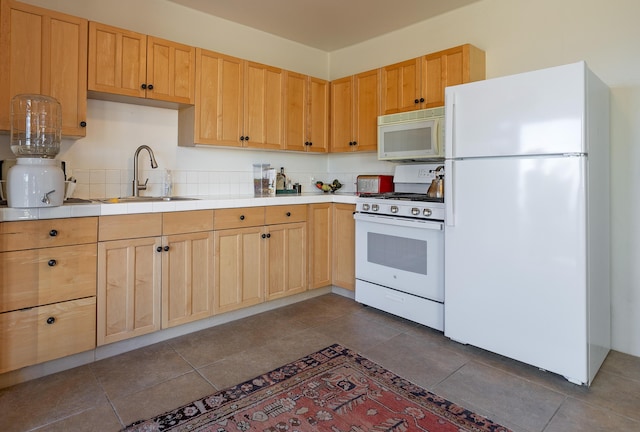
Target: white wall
pixel 517 35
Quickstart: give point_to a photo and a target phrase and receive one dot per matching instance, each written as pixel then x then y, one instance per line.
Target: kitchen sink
pixel 134 199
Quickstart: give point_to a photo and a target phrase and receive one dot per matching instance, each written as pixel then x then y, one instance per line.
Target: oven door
pixel 403 254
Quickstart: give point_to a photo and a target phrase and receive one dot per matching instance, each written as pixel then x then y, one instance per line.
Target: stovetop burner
pixel 403 196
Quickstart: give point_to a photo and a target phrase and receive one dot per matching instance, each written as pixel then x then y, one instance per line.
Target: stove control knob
pixel 394 209
pixel 415 211
pixel 375 207
pixel 426 212
pixel 365 207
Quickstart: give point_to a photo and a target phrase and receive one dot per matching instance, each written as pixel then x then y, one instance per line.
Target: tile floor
pixel 106 395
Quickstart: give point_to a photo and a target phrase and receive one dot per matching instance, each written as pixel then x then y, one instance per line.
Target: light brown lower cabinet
pixel 44 333
pixel 344 246
pixel 320 219
pixel 286 266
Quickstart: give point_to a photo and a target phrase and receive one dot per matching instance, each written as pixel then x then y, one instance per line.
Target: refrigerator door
pixel 539 112
pixel 515 260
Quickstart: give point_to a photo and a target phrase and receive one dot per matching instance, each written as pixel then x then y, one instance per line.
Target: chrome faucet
pixel 137 186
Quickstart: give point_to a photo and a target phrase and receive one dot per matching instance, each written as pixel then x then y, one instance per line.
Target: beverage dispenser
pixel 37 179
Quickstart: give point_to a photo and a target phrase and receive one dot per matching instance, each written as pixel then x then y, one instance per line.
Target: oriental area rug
pixel 334 390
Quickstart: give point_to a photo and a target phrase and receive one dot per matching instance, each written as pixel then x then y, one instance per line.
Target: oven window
pixel 400 253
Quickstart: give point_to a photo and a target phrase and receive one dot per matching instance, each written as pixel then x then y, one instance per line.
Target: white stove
pixel 400 248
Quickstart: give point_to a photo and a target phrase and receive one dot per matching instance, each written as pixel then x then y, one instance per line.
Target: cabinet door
pixel 344 235
pixel 170 71
pixel 286 264
pixel 44 52
pixel 117 60
pixel 401 87
pixel 296 111
pixel 239 268
pixel 187 278
pixel 129 287
pixel 320 219
pixel 318 123
pixel 263 106
pixel 342 115
pixel 367 109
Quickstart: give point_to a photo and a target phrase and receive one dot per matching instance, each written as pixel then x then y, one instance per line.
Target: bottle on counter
pixel 281 180
pixel 167 184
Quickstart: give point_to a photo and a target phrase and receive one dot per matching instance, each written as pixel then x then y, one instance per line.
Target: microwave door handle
pixel 449 216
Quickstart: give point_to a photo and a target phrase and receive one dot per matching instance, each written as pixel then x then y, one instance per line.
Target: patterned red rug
pixel 334 390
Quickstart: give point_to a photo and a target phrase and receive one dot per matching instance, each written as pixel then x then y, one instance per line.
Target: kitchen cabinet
pixel 355 106
pixel 344 247
pixel 286 250
pixel 320 220
pixel 419 83
pixel 187 268
pixel 48 286
pixel 44 52
pixel 306 115
pixel 129 276
pixel 126 63
pixel 238 104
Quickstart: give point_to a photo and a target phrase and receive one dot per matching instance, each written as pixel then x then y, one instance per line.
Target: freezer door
pixel 515 260
pixel 540 112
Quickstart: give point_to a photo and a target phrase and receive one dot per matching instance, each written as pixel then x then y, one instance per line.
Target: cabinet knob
pixel 150 87
pixel 355 143
pixel 53 233
pixel 263 236
pixel 269 235
pixel 241 217
pixel 310 143
pixel 159 249
pixel 288 214
pixel 166 248
pixel 52 262
pixel 242 138
pixel 246 138
pixel 416 101
pixel 421 99
pixel 51 320
pixel 143 86
pixel 83 124
pixel 306 143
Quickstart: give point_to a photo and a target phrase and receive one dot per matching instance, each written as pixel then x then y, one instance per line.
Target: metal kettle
pixel 436 189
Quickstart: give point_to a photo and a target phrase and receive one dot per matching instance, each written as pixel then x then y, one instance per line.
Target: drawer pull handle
pixel 51 320
pixel 53 233
pixel 241 217
pixel 166 248
pixel 288 214
pixel 159 249
pixel 52 262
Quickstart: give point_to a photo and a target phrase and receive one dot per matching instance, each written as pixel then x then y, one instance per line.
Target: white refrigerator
pixel 527 218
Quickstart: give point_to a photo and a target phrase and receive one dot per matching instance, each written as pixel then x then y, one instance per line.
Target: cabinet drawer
pixel 23 235
pixel 130 226
pixel 187 222
pixel 42 276
pixel 238 217
pixel 285 214
pixel 36 335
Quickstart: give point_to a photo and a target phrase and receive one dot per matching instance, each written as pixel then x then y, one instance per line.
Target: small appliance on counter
pixel 374 184
pixel 37 179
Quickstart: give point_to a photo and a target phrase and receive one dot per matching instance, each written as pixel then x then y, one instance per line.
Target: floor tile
pixel 102 418
pixel 136 370
pixel 504 398
pixel 48 399
pixel 575 415
pixel 619 394
pixel 622 364
pixel 162 397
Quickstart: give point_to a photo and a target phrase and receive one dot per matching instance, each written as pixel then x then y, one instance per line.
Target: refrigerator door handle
pixel 449 120
pixel 449 217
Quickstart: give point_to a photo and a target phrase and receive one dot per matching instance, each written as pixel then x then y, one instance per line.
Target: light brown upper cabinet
pixel 238 103
pixel 306 115
pixel 355 106
pixel 44 52
pixel 122 62
pixel 419 83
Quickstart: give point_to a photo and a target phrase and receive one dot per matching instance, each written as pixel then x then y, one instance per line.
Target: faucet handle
pixel 143 186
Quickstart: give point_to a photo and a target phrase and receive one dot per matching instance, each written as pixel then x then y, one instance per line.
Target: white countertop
pixel 96 208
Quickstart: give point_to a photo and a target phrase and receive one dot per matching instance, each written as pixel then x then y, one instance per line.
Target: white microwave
pixel 412 136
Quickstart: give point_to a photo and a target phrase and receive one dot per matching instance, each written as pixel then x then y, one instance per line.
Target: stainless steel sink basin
pixel 134 199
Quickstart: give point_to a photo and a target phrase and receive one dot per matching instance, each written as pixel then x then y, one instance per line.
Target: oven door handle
pixel 401 222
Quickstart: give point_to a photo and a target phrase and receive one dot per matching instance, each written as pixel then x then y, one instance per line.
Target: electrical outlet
pixel 423 173
pixel 312 180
